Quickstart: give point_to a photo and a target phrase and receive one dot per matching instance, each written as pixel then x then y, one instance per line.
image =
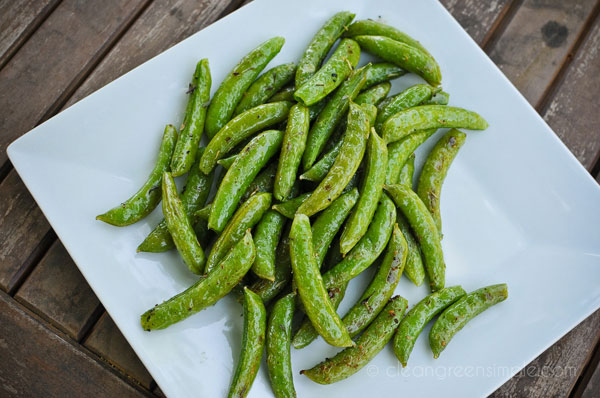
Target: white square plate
pixel 517 208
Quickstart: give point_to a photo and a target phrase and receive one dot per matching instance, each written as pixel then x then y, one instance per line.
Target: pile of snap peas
pixel 313 164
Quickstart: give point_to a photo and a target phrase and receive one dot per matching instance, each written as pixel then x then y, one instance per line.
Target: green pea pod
pixel 370 192
pixel 420 315
pixel 400 151
pixel 285 94
pixel 266 86
pixel 331 115
pixel 345 165
pixel 180 226
pixel 186 149
pixel 369 27
pixel 374 95
pixel 147 198
pixel 423 225
pixel 247 216
pixel 207 291
pixel 236 83
pixel 434 172
pixel 408 98
pixel 227 162
pixel 292 148
pixel 253 344
pixel 315 109
pixel 312 292
pixel 382 72
pixel 204 212
pixel 238 178
pixel 279 359
pixel 407 172
pixel 240 128
pixel 263 182
pixel 320 45
pixel 439 98
pixel 429 117
pixel 266 237
pixel 369 344
pixel 319 170
pixel 405 56
pixel 194 195
pixel 456 316
pixel 290 207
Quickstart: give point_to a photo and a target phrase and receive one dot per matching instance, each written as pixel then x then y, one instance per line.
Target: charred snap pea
pixel 407 172
pixel 240 128
pixel 290 207
pixel 382 72
pixel 434 172
pixel 408 98
pixel 425 117
pixel 279 333
pixel 292 148
pixel 415 320
pixel 345 165
pixel 310 286
pixel 186 149
pixel 253 343
pixel 373 28
pixel 320 44
pixel 400 151
pixel 368 345
pixel 234 85
pixel 423 225
pixel 147 198
pixel 266 86
pixel 266 237
pixel 207 291
pixel 285 94
pixel 238 178
pixel 374 95
pixel 412 59
pixel 455 317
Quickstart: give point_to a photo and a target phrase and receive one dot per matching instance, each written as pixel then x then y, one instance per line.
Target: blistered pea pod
pixel 374 95
pixel 375 28
pixel 279 331
pixel 266 86
pixel 382 72
pixel 266 236
pixel 412 96
pixel 400 151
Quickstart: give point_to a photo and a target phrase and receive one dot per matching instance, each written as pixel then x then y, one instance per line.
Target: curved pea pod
pixel 439 98
pixel 253 344
pixel 374 95
pixel 292 148
pixel 414 268
pixel 429 187
pixel 204 212
pixel 290 207
pixel 400 151
pixel 207 291
pixel 456 316
pixel 407 172
pixel 425 117
pixel 285 94
pixel 412 59
pixel 186 150
pixel 420 315
pixel 147 198
pixel 345 165
pixel 368 345
pixel 408 98
pixel 310 286
pixel 331 115
pixel 369 27
pixel 315 109
pixel 382 72
pixel 180 226
pixel 238 178
pixel 241 127
pixel 279 333
pixel 266 236
pixel 320 45
pixel 227 162
pixel 247 216
pixel 319 170
pixel 263 182
pixel 266 86
pixel 423 226
pixel 370 192
pixel 235 84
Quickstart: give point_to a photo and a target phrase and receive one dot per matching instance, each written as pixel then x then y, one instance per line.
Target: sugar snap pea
pixel 439 98
pixel 207 291
pixel 238 178
pixel 408 98
pixel 266 236
pixel 285 94
pixel 345 165
pixel 423 225
pixel 370 191
pixel 227 162
pixel 456 316
pixel 400 151
pixel 253 343
pixel 290 207
pixel 263 182
pixel 369 344
pixel 319 170
pixel 279 333
pixel 310 286
pixel 425 117
pixel 415 320
pixel 186 148
pixel 231 90
pixel 147 198
pixel 370 27
pixel 292 148
pixel 434 172
pixel 374 95
pixel 382 72
pixel 320 45
pixel 204 212
pixel 407 172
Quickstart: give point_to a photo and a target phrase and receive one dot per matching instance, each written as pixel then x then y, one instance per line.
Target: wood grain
pixel 39 363
pixel 477 17
pixel 57 291
pixel 592 388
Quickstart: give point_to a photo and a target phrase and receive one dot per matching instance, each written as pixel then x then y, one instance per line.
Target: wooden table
pixel 55 337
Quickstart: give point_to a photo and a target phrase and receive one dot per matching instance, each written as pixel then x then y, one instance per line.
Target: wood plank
pixel 477 17
pixel 107 342
pixel 57 291
pixel 537 40
pixel 592 389
pixel 18 19
pixel 36 362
